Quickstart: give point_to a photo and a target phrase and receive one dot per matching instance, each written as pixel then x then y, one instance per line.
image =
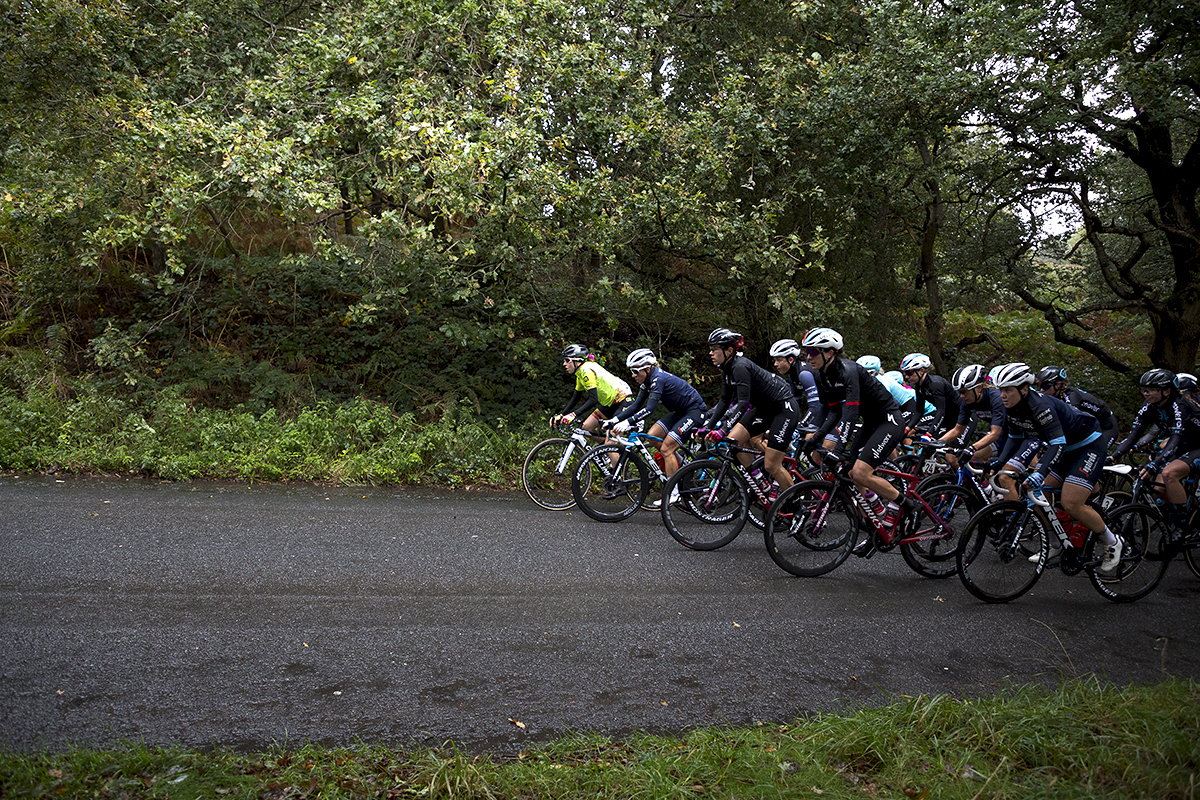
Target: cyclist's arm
pixel 641 408
pixel 574 398
pixel 591 402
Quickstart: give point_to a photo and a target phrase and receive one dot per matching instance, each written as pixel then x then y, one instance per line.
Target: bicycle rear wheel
pixel 610 492
pixel 546 473
pixel 930 544
pixel 993 557
pixel 1191 553
pixel 806 533
pixel 1144 559
pixel 712 508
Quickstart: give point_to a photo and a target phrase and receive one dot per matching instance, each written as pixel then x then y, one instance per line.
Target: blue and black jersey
pixel 661 386
pixel 1176 419
pixel 1059 426
pixel 1093 405
pixel 937 390
pixel 804 385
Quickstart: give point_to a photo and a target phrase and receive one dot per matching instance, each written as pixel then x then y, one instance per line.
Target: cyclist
pixel 1185 382
pixel 1180 423
pixel 983 402
pixel 598 392
pixel 786 355
pixel 849 393
pixel 748 391
pixel 1073 456
pixel 933 388
pixel 685 407
pixel 1053 381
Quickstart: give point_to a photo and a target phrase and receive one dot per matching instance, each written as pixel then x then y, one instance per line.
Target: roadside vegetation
pixel 1082 739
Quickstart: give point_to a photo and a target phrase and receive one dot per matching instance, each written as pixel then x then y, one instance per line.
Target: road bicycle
pixel 1006 548
pixel 613 480
pixel 1145 519
pixel 714 498
pixel 550 465
pixel 814 526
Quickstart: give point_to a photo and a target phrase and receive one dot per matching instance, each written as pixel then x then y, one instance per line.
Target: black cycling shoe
pixel 864 548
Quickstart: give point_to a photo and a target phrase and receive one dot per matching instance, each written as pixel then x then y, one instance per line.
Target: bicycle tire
pixel 608 492
pixel 806 534
pixel 993 561
pixel 654 493
pixel 712 508
pixel 934 554
pixel 1191 553
pixel 547 485
pixel 1144 560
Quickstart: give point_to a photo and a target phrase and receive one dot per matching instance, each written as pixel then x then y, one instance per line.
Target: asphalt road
pixel 251 616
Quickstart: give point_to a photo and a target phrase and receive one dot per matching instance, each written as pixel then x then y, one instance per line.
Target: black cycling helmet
pixel 1185 382
pixel 723 337
pixel 575 352
pixel 1157 378
pixel 1051 375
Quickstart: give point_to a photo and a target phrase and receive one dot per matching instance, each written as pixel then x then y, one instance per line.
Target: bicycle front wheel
pixel 807 533
pixel 993 557
pixel 1191 552
pixel 608 491
pixel 930 544
pixel 546 474
pixel 1144 559
pixel 712 505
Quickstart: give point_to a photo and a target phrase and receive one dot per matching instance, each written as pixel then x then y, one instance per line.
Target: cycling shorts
pixel 1082 467
pixel 1026 452
pixel 1192 457
pixel 608 412
pixel 874 445
pixel 781 428
pixel 680 425
pixel 925 423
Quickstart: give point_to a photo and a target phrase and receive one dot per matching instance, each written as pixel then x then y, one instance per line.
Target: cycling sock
pixel 1107 537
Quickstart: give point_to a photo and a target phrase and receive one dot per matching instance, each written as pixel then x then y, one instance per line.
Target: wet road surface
pixel 208 614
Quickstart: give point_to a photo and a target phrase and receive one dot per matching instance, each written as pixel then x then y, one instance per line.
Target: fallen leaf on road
pixel 518 723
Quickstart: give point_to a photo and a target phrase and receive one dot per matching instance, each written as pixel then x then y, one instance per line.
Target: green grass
pixel 1084 739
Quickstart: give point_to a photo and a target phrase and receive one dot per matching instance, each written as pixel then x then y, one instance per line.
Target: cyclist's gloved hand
pixel 831 458
pixel 1154 467
pixel 622 427
pixel 700 433
pixel 809 446
pixel 1034 480
pixel 608 423
pixel 1109 461
pixel 966 454
pixel 716 435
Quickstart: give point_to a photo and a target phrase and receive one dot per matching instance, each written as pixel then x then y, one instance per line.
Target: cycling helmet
pixel 1050 375
pixel 723 337
pixel 915 361
pixel 1016 374
pixel 642 357
pixel 575 352
pixel 1185 382
pixel 1157 378
pixel 871 364
pixel 968 377
pixel 784 348
pixel 895 376
pixel 823 339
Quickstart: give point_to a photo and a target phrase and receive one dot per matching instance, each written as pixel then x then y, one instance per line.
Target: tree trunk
pixel 935 215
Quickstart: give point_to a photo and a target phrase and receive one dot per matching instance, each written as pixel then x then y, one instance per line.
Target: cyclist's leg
pixel 1018 462
pixel 778 438
pixel 876 444
pixel 677 435
pixel 740 436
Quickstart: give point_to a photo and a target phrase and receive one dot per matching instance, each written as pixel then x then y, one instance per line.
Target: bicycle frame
pixel 886 538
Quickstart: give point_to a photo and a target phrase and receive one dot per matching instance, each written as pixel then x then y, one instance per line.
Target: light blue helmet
pixel 871 364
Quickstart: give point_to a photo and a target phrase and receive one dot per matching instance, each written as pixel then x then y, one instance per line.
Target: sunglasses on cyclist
pixel 813 352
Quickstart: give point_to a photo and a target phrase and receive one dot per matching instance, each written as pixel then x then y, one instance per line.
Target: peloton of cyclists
pixel 685 407
pixel 850 393
pixel 1074 451
pixel 1178 420
pixel 753 402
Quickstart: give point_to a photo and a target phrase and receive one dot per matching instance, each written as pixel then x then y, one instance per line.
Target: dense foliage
pixel 420 201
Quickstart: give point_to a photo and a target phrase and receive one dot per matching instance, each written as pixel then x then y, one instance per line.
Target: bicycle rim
pixel 1144 558
pixel 712 507
pixel 546 476
pixel 931 543
pixel 608 492
pixel 806 534
pixel 993 557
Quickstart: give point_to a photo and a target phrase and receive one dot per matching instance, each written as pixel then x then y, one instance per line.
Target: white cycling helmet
pixel 915 361
pixel 1016 374
pixel 784 348
pixel 968 377
pixel 642 357
pixel 823 339
pixel 871 364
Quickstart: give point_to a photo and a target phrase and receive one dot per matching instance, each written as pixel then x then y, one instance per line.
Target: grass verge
pixel 1083 739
